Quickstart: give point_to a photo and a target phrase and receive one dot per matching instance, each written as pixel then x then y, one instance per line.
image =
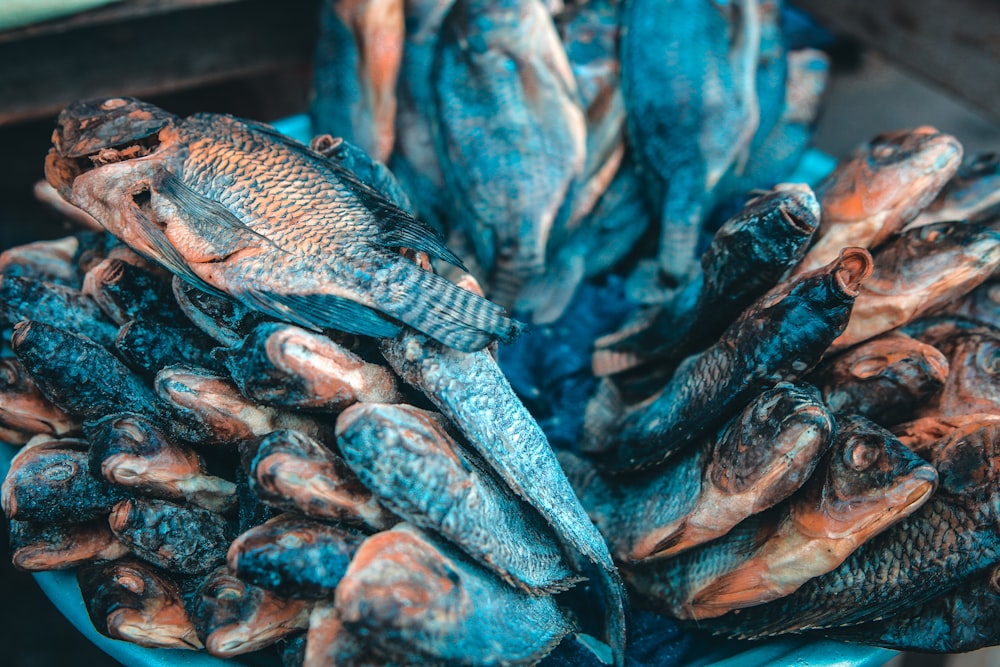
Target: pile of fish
pixel 260 402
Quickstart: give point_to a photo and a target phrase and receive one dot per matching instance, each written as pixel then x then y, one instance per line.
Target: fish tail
pixel 455 316
pixel 602 413
pixel 679 231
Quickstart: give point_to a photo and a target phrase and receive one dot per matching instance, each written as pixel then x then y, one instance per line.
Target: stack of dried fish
pixel 805 440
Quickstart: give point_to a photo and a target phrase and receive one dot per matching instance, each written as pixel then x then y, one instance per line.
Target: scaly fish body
pixel 869 482
pixel 291 471
pixel 873 195
pixel 25 411
pixel 416 597
pixel 408 459
pixel 131 600
pixel 236 208
pixel 129 451
pixel 234 617
pixel 37 547
pixel 918 271
pixel 780 337
pixel 183 539
pixel 887 378
pixel 294 557
pixel 287 366
pixel 471 390
pixel 691 127
pixel 511 134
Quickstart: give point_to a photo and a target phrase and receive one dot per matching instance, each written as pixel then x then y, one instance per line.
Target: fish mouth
pixel 853 267
pixel 130 625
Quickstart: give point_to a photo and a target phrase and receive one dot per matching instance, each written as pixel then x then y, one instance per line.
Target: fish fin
pixel 204 217
pixel 168 256
pixel 320 311
pixel 603 412
pixel 610 362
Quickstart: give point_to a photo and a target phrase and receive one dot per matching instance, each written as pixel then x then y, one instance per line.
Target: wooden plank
pixel 953 43
pixel 160 46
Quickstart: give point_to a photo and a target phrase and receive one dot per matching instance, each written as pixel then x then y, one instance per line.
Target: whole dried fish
pixel 689 128
pixel 421 600
pixel 472 392
pixel 234 617
pixel 918 271
pixel 871 196
pixel 748 255
pixel 130 451
pixel 283 365
pixel 226 416
pixel 188 540
pixel 25 411
pixel 511 136
pixel 780 337
pixel 24 298
pixel 887 378
pixel 192 202
pixel 43 546
pixel 49 481
pixel 131 600
pixel 868 482
pixel 289 470
pixel 406 456
pixel 294 557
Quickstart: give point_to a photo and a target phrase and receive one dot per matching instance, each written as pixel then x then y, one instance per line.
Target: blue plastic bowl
pixel 62 589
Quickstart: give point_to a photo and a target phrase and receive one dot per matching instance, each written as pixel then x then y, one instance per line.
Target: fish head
pixel 948 257
pixel 870 481
pixel 968 461
pixel 54 465
pixel 131 449
pixel 896 174
pixel 783 423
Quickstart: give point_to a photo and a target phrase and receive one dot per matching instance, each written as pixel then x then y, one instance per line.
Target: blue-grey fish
pixel 237 208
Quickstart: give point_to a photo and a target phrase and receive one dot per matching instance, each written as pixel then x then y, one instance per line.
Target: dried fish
pixel 36 547
pixel 294 557
pixel 221 318
pixel 131 600
pixel 234 617
pixel 130 451
pixel 423 601
pixel 24 298
pixel 126 292
pixel 287 366
pixel 151 347
pixel 188 540
pixel 291 471
pixel 203 216
pixel 406 456
pixel 972 382
pixel 47 261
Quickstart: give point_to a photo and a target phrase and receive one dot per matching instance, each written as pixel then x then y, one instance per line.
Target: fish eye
pixel 9 373
pixel 131 581
pixel 861 457
pixel 60 471
pixel 869 366
pixel 113 103
pixel 989 360
pixel 226 591
pixel 291 541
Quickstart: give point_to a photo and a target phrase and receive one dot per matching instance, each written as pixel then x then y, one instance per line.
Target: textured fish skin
pixel 56 305
pixel 972 381
pixel 921 435
pixel 419 598
pixel 233 617
pixel 36 547
pixel 369 171
pixel 215 404
pixel 48 261
pixel 234 207
pixel 127 292
pixel 868 482
pixel 473 393
pixel 130 451
pixel 151 347
pixel 50 482
pixel 690 128
pixel 887 378
pixel 294 557
pixel 511 136
pixel 950 538
pixel 131 600
pixel 963 619
pixel 291 471
pixel 222 319
pixel 183 539
pixel 748 256
pixel 286 366
pixel 780 337
pixel 918 271
pixel 408 459
pixel 974 188
pixel 25 411
pixel 872 195
pixel 763 456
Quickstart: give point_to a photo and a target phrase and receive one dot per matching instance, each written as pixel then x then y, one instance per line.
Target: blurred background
pixel 252 58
